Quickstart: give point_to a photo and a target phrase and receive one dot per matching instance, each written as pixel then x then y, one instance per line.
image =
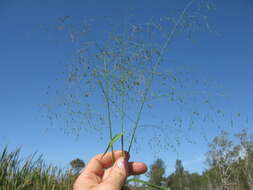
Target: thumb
pixel 117 176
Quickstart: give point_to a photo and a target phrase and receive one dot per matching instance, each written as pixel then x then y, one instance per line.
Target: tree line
pixel 229 160
pixel 230 167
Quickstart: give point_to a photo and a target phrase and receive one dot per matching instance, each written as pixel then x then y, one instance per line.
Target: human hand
pixel 103 174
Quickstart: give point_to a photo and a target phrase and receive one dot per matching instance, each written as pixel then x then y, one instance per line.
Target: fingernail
pixel 121 163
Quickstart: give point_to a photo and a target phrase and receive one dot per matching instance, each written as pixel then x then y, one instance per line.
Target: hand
pixel 103 174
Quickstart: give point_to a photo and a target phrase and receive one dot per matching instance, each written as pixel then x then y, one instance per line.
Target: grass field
pixel 31 173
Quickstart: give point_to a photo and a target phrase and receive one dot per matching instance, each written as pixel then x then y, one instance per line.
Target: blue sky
pixel 31 57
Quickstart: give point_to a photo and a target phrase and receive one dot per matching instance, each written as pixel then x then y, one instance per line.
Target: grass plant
pixel 123 72
pixel 32 173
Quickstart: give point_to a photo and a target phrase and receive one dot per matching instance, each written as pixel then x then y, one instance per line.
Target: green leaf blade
pixel 111 143
pixel 147 183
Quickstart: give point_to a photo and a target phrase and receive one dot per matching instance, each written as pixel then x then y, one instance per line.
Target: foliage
pixel 230 166
pixel 222 156
pixel 77 165
pixel 179 179
pixel 34 174
pixel 156 172
pixel 31 173
pixel 246 144
pixel 112 141
pixel 151 185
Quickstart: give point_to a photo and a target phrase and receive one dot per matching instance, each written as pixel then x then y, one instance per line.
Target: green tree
pixel 197 181
pixel 77 165
pixel 246 162
pixel 156 173
pixel 179 179
pixel 179 167
pixel 221 157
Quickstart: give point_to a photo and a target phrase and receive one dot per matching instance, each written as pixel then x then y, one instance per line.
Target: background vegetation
pixel 230 167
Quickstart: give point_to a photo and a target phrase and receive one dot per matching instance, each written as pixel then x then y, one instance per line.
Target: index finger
pixel 100 162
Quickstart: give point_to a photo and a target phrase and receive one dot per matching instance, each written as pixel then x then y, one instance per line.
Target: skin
pixel 102 173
